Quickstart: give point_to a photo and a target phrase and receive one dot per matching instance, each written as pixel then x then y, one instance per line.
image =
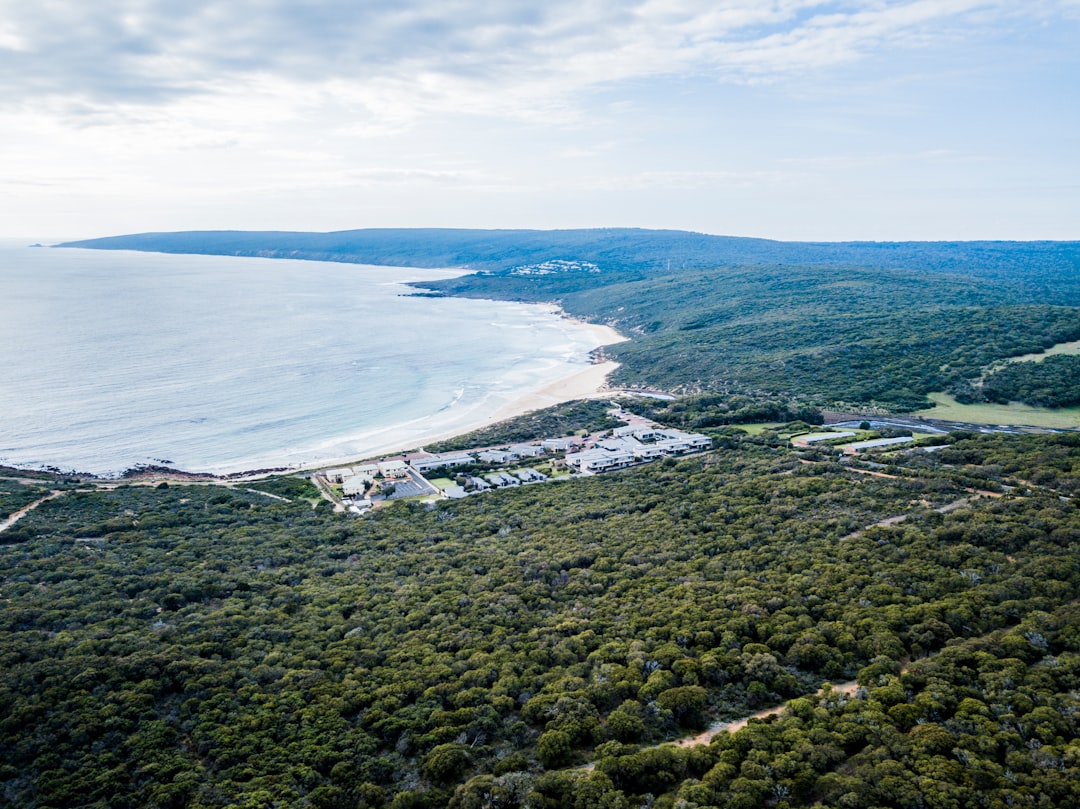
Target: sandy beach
pixel 584 384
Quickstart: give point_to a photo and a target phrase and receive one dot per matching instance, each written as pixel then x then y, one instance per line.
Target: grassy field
pixel 756 429
pixel 946 407
pixel 1072 348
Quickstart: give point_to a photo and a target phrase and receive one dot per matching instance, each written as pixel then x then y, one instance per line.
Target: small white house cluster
pixel 639 442
pixel 516 452
pixel 504 479
pixel 355 480
pixel 636 444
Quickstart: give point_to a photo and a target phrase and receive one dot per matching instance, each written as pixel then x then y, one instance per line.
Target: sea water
pixel 112 360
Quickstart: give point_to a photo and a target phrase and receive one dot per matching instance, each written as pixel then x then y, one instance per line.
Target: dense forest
pixel 820 336
pixel 189 646
pixel 820 324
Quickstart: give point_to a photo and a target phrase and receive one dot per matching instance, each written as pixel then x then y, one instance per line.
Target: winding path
pixel 268 494
pixel 22 512
pixel 706 736
pixel 730 726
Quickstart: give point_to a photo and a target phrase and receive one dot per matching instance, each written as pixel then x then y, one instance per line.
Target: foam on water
pixel 114 359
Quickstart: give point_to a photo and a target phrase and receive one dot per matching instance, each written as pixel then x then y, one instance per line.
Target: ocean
pixel 114 360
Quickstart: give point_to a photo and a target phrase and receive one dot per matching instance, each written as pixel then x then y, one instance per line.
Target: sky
pixel 785 119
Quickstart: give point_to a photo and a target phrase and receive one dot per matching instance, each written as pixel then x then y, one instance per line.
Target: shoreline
pixel 586 383
pixel 579 382
pixel 550 365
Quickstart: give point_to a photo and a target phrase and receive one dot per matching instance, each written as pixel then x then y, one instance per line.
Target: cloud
pixel 195 73
pixel 393 61
pixel 692 180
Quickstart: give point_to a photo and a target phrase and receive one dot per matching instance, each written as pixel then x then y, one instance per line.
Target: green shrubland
pixel 201 646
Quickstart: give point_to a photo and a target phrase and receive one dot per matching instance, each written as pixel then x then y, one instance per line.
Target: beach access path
pixel 22 512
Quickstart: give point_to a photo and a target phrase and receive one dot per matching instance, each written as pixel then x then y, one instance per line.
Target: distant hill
pixel 608 248
pixel 861 323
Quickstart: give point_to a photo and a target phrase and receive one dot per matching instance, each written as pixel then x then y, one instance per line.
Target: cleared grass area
pixel 441 483
pixel 1072 348
pixel 946 407
pixel 757 429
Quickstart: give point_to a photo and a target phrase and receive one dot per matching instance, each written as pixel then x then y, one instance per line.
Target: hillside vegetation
pixel 193 646
pixel 812 334
pixel 1054 382
pixel 548 422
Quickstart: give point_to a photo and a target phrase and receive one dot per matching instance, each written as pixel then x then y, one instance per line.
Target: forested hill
pixel 860 324
pixel 609 249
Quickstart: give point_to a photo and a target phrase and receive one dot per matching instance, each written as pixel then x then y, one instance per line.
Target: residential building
pixel 355 484
pixel 422 465
pixel 600 459
pixel 560 444
pixel 393 469
pixel 816 437
pixel 859 446
pixel 527 450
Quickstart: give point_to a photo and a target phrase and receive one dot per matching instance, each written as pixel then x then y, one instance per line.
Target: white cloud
pixel 206 112
pixel 395 61
pixel 693 180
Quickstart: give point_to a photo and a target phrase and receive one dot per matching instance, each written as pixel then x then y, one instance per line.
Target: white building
pixel 422 465
pixel 360 506
pixel 672 446
pixel 676 441
pixel 600 459
pixel 502 479
pixel 558 444
pixel 626 449
pixel 355 484
pixel 495 456
pixel 337 475
pixel 813 439
pixel 393 469
pixel 859 446
pixel 527 450
pixel 648 452
pixel 700 441
pixel 369 469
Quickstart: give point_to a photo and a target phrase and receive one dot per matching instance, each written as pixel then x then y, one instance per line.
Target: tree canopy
pixel 203 646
